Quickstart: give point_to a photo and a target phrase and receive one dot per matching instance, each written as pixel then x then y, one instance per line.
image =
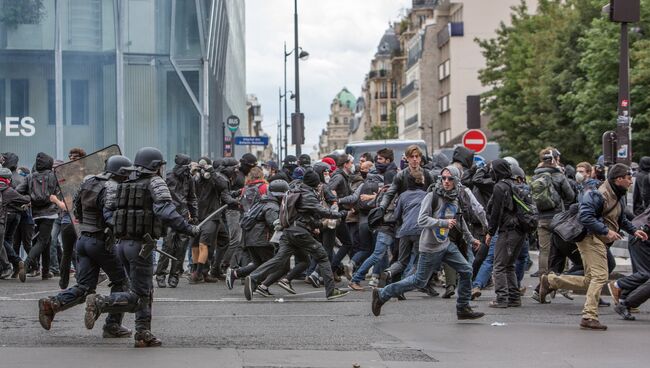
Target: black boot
pixel 172 281
pixel 145 339
pixel 468 313
pixel 160 280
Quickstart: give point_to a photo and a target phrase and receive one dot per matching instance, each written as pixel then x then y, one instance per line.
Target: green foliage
pixel 553 78
pixel 388 131
pixel 15 12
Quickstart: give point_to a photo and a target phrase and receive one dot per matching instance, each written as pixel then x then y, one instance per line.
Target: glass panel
pixel 147 26
pixel 19 97
pixel 158 109
pixel 51 102
pixel 88 25
pixel 186 39
pixel 25 96
pixel 89 95
pixel 2 101
pixel 27 24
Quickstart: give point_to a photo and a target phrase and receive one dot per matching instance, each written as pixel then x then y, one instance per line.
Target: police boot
pixel 97 304
pixel 47 308
pixel 160 279
pixel 145 339
pixel 172 281
pixel 116 331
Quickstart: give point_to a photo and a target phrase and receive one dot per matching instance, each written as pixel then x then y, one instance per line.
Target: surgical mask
pixel 352 169
pixel 326 178
pixel 266 173
pixel 579 178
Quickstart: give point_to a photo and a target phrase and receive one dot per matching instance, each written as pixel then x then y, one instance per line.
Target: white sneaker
pixel 374 281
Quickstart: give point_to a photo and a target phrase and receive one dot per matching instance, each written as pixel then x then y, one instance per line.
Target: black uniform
pixel 137 207
pixel 299 238
pixel 183 192
pixel 94 251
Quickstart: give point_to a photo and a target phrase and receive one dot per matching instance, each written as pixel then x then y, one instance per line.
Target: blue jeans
pixel 381 246
pixel 428 263
pixel 485 272
pixel 54 244
pixel 520 264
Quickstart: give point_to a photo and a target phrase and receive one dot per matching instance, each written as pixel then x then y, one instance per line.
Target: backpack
pixel 251 217
pixel 39 189
pixel 250 196
pixel 543 191
pixel 288 210
pixel 525 208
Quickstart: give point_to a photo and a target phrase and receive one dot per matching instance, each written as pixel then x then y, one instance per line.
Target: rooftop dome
pixel 346 98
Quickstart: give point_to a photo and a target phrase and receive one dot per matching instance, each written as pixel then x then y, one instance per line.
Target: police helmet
pixel 512 161
pixel 148 160
pixel 117 164
pixel 5 173
pixel 278 188
pixel 182 159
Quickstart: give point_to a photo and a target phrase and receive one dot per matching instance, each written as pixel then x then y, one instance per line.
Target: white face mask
pixel 266 173
pixel 326 178
pixel 579 178
pixel 352 168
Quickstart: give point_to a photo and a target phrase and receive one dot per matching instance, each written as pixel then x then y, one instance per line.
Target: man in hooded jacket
pixel 183 192
pixel 40 184
pixel 602 212
pixel 641 194
pixel 502 219
pixel 438 215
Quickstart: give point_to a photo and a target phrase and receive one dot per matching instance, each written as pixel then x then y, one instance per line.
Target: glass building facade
pixel 90 73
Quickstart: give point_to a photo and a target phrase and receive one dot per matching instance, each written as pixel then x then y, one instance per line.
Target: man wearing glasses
pixel 602 214
pixel 438 217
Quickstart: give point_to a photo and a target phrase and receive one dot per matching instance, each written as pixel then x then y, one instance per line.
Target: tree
pixel 388 131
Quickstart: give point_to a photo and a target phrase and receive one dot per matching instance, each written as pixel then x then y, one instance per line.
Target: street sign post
pixel 475 140
pixel 232 123
pixel 252 141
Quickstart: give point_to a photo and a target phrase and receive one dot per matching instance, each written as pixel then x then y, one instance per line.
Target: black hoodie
pixel 463 155
pixel 500 209
pixel 42 167
pixel 641 193
pixel 11 163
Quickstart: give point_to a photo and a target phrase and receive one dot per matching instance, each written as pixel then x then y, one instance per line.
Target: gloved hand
pixel 195 230
pixel 193 221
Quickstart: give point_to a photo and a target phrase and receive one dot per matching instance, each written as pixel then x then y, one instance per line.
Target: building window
pixel 2 98
pixel 345 120
pixel 441 138
pixel 443 104
pixel 19 97
pixel 79 102
pixel 444 70
pixel 448 135
pixel 336 121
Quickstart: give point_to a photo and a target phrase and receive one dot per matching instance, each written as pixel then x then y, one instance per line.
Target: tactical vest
pixel 134 216
pixel 92 218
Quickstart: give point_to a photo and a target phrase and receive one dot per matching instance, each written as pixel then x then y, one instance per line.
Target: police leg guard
pixel 115 303
pixel 145 339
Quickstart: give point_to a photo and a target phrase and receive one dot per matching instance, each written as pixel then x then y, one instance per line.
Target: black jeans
pixel 407 244
pixel 176 245
pixel 258 255
pixel 636 289
pixel 506 251
pixel 42 246
pixel 296 239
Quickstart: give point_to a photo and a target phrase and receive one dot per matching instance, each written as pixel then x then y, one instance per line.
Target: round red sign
pixel 475 140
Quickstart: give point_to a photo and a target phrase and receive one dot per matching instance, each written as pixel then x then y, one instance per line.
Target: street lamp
pixel 297 119
pixel 302 55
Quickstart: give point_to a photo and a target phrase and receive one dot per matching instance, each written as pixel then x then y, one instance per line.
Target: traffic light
pixel 624 11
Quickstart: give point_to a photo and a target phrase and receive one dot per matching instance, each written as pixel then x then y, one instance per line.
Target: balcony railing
pixel 453 29
pixel 412 120
pixel 408 89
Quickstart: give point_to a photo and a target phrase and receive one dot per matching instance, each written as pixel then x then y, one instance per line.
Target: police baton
pixel 213 214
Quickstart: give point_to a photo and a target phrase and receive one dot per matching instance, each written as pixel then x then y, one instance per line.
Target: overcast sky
pixel 341 37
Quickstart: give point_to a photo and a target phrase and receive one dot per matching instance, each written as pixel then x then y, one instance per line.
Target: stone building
pixel 336 133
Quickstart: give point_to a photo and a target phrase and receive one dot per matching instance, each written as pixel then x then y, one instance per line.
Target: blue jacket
pixel 407 211
pixel 591 214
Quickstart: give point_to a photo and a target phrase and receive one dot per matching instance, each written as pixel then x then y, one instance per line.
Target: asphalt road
pixel 208 325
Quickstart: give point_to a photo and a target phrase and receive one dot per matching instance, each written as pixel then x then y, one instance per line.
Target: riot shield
pixel 71 174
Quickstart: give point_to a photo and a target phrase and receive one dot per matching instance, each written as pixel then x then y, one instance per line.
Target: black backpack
pixel 253 215
pixel 525 209
pixel 288 210
pixel 40 188
pixel 250 196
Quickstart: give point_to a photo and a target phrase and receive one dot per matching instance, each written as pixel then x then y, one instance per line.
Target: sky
pixel 341 37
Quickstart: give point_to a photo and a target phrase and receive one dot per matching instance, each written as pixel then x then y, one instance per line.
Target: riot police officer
pixel 95 250
pixel 137 210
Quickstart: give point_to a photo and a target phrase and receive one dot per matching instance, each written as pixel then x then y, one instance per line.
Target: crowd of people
pixel 395 224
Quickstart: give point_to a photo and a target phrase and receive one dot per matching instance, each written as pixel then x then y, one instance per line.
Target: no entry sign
pixel 475 140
